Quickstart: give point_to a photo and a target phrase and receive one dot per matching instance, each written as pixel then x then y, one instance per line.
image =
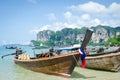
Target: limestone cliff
pixel 71 36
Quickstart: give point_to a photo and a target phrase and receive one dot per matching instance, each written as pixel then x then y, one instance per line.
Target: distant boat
pixel 10 47
pixel 109 61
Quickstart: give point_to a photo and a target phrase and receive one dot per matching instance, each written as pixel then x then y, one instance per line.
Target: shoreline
pixel 91 74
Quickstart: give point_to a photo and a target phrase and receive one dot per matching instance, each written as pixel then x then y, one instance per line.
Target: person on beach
pixel 82 56
pixel 18 52
pixel 51 52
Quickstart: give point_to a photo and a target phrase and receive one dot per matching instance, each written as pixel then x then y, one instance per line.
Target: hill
pixel 69 36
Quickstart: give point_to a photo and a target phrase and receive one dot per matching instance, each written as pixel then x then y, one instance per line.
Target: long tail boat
pixel 109 61
pixel 61 65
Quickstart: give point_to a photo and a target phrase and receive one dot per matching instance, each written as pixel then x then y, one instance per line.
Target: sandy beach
pixel 90 74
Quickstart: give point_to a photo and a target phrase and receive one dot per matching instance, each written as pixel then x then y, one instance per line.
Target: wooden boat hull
pixel 58 65
pixel 108 62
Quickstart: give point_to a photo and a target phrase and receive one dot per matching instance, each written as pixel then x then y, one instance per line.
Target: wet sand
pixel 90 74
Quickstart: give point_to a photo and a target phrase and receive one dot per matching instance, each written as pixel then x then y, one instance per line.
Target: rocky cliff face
pixel 100 34
pixel 44 35
pixel 103 33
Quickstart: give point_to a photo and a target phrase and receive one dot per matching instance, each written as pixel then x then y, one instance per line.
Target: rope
pixel 76 60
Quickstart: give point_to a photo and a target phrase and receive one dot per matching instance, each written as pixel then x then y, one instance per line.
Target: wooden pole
pixel 86 38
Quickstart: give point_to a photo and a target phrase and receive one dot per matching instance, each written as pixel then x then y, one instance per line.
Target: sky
pixel 21 20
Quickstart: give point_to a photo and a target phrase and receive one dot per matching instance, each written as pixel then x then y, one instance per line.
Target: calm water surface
pixel 11 71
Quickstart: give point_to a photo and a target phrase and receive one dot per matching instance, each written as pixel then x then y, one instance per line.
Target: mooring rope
pixel 76 60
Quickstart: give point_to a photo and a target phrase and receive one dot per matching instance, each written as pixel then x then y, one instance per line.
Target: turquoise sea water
pixel 11 71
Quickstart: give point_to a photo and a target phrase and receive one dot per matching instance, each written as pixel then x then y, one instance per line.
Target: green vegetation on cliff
pixel 69 36
pixel 113 41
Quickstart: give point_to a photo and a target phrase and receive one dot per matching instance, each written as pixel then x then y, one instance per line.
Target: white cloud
pixel 68 25
pixel 97 9
pixel 112 22
pixel 78 21
pixel 60 25
pixel 97 21
pixel 68 15
pixel 51 16
pixel 57 26
pixel 90 7
pixel 88 14
pixel 114 9
pixel 85 17
pixel 88 23
pixel 93 13
pixel 46 27
pixel 54 27
pixel 40 28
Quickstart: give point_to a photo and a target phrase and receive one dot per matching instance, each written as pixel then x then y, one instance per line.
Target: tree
pixel 113 41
